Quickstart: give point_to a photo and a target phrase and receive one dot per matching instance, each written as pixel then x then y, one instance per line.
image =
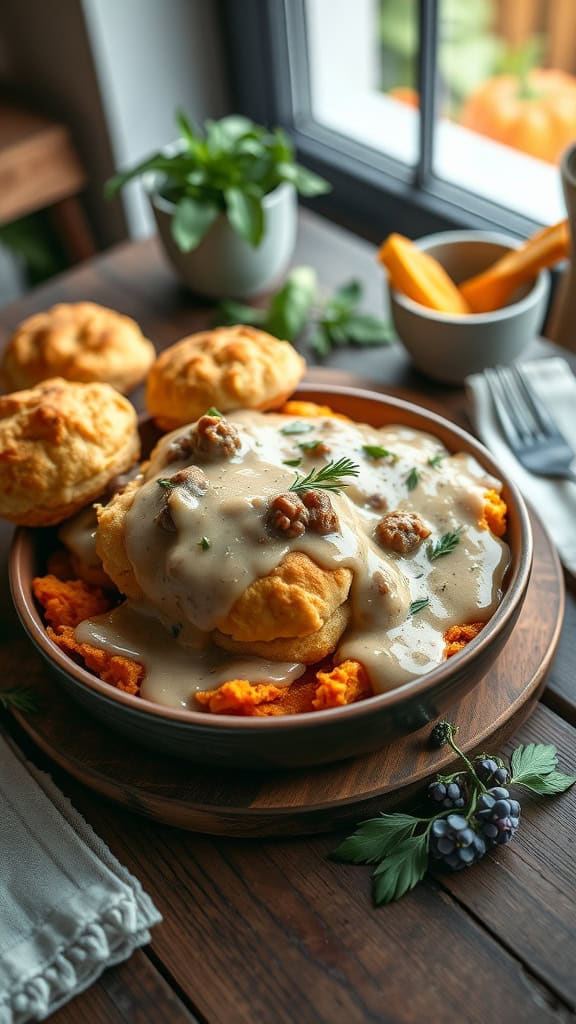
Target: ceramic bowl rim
pixel 536 293
pixel 32 622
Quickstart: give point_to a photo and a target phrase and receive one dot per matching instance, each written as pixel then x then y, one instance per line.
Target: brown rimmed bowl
pixel 317 737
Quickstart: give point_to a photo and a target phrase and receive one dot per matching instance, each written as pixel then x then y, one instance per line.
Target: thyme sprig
pixel 329 478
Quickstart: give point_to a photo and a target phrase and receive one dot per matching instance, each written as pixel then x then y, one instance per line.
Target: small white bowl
pixel 447 346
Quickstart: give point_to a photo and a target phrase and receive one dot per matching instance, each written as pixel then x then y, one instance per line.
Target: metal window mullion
pixel 427 87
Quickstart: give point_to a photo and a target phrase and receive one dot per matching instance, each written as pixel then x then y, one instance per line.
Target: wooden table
pixel 272 931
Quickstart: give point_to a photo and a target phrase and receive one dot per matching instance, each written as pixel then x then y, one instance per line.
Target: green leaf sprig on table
pixel 476 813
pixel 20 698
pixel 228 167
pixel 297 312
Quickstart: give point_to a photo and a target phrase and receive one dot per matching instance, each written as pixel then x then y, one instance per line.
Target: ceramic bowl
pixel 448 347
pixel 305 739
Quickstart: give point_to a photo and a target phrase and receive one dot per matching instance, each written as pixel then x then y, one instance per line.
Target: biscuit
pixel 78 341
pixel 228 367
pixel 60 444
pixel 306 649
pixel 296 599
pixel 110 540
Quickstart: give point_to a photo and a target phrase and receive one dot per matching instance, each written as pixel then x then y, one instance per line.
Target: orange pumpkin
pixel 536 115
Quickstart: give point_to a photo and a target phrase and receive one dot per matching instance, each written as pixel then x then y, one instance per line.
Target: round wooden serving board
pixel 306 800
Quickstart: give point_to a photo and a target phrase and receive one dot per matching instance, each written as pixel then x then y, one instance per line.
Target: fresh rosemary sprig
pixel 329 478
pixel 21 698
pixel 444 545
pixel 417 606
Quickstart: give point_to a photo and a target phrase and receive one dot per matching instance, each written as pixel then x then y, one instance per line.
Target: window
pixel 431 112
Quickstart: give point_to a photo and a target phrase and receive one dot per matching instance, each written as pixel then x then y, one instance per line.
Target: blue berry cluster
pixel 484 814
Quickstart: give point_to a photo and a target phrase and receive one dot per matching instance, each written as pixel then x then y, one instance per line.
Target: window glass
pixel 362 65
pixel 507 81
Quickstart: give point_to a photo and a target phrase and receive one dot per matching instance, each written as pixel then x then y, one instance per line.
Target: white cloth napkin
pixel 68 909
pixel 553 500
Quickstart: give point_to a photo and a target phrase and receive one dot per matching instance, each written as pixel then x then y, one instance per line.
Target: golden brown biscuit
pixel 228 367
pixel 110 540
pixel 306 649
pixel 79 341
pixel 296 599
pixel 60 444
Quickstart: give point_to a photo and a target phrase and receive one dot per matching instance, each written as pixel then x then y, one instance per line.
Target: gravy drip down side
pixel 220 541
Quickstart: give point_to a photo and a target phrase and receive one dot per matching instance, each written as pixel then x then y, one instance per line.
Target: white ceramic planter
pixel 224 265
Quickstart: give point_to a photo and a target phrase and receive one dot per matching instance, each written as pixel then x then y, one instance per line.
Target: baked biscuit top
pixel 78 341
pixel 228 367
pixel 60 445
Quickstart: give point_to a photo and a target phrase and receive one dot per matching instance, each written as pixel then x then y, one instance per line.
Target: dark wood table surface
pixel 273 931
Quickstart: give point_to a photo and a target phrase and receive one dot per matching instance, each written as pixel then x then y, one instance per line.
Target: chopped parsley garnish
pixel 413 479
pixel 212 411
pixel 204 543
pixel 417 606
pixel 375 451
pixel 329 478
pixel 309 446
pixel 165 483
pixel 292 462
pixel 444 545
pixel 435 460
pixel 297 428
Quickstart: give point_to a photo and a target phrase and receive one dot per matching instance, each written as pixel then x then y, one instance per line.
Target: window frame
pixel 268 37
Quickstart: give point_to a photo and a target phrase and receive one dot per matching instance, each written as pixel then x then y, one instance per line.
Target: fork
pixel 528 427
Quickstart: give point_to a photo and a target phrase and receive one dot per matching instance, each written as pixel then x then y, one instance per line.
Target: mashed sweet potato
pixel 494 513
pixel 457 637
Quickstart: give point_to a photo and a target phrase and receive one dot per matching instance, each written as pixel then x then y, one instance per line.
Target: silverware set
pixel 528 426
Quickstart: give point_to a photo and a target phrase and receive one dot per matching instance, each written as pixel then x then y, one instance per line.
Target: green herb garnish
pixel 176 629
pixel 21 698
pixel 401 847
pixel 329 478
pixel 435 460
pixel 375 451
pixel 292 462
pixel 213 411
pixel 412 479
pixel 204 543
pixel 309 446
pixel 417 606
pixel 165 483
pixel 443 546
pixel 297 428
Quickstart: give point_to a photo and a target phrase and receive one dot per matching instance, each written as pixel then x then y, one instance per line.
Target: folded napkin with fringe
pixel 553 500
pixel 68 909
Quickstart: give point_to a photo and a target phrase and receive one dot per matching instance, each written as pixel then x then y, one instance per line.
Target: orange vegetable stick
pixel 493 287
pixel 420 276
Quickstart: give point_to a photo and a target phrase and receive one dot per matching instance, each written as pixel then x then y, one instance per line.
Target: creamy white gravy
pixel 192 576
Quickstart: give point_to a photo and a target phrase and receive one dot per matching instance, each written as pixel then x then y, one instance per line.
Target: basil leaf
pixel 363 329
pixel 192 219
pixel 401 870
pixel 533 759
pixel 319 342
pixel 553 782
pixel 290 307
pixel 306 182
pixel 346 297
pixel 230 312
pixel 374 838
pixel 245 215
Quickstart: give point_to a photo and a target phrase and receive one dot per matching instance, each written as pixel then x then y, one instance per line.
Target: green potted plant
pixel 224 200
